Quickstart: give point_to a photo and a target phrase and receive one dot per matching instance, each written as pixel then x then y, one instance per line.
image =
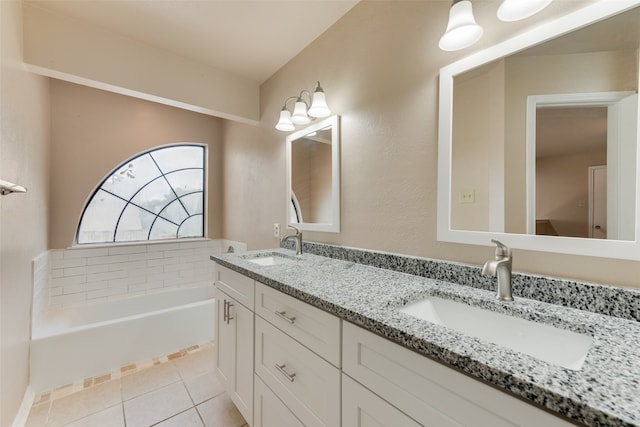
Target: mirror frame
pixel 334 225
pixel 619 249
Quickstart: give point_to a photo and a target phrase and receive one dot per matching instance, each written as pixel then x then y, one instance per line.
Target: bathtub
pixel 71 344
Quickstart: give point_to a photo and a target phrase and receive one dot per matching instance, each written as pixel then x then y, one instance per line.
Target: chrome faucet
pixel 500 268
pixel 297 237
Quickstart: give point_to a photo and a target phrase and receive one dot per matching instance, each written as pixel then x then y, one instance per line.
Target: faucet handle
pixel 293 227
pixel 502 250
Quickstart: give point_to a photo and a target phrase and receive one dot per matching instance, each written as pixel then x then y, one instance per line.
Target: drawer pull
pixel 283 315
pixel 226 313
pixel 281 369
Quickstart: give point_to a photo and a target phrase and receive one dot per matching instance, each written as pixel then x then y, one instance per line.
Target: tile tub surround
pixel 603 392
pixel 597 298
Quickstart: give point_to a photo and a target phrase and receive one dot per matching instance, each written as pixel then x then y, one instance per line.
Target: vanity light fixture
pixel 303 111
pixel 515 10
pixel 462 29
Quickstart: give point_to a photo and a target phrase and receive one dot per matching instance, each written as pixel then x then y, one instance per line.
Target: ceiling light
pixel 302 112
pixel 515 10
pixel 462 30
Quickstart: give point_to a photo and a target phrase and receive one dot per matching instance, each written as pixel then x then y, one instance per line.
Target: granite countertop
pixel 605 392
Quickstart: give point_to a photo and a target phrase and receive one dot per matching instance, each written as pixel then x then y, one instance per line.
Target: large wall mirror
pixel 538 138
pixel 313 176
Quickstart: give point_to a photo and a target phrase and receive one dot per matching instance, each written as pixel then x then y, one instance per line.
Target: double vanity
pixel 339 341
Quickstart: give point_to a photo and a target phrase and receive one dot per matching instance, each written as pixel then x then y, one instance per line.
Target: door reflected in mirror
pixel 313 188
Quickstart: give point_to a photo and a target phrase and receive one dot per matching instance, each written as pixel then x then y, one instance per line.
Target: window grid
pixel 162 212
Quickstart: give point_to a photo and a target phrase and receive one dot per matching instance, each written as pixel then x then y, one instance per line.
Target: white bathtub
pixel 75 343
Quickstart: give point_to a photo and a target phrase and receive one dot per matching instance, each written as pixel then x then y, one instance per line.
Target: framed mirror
pixel 313 176
pixel 538 138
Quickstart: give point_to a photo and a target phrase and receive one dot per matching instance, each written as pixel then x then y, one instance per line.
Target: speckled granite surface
pixel 605 392
pixel 609 300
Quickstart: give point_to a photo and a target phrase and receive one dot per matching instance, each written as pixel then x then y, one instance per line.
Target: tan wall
pixel 562 190
pixel 94 131
pixel 24 155
pixel 379 67
pixel 477 154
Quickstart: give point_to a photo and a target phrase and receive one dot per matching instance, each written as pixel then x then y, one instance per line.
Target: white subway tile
pixel 142 272
pixel 145 287
pixel 72 280
pixel 68 299
pixel 84 287
pixel 64 263
pixel 84 270
pixel 109 275
pixel 163 261
pixel 126 281
pixel 204 257
pixel 55 291
pixel 56 272
pixel 106 292
pixel 133 249
pixel 163 276
pixel 130 265
pixel 56 254
pixel 84 252
pixel 161 247
pixel 179 252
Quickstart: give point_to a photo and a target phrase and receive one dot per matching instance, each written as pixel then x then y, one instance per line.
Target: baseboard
pixel 23 413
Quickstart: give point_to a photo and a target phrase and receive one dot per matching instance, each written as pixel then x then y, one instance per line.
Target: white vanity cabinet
pixel 286 363
pixel 235 337
pixel 426 391
pixel 297 356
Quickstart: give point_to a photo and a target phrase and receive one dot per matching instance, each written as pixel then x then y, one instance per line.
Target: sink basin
pixel 550 344
pixel 271 259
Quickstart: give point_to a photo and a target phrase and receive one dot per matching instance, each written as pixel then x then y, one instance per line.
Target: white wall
pixel 24 156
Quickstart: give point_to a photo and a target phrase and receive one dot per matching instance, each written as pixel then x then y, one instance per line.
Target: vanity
pixel 325 342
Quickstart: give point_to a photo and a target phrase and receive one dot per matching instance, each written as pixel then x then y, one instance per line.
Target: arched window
pixel 156 195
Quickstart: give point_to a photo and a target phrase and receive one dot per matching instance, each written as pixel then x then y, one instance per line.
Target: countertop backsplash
pixel 614 301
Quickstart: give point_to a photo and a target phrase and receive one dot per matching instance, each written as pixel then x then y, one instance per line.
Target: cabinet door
pixel 234 348
pixel 269 411
pixel 362 408
pixel 225 342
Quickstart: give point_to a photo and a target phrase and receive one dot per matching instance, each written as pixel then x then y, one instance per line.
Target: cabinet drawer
pixel 314 328
pixel 269 411
pixel 362 408
pixel 430 392
pixel 307 384
pixel 236 285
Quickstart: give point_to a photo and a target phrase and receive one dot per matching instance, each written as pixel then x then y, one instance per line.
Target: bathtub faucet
pixel 296 237
pixel 500 268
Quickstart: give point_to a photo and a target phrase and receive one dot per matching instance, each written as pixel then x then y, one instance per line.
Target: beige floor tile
pixel 203 387
pixel 196 364
pixel 38 415
pixel 79 405
pixel 156 406
pixel 149 379
pixel 188 418
pixel 220 411
pixel 110 417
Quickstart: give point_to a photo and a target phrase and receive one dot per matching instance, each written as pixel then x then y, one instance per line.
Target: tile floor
pixel 179 391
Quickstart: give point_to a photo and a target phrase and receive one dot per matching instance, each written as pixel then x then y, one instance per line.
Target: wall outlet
pixel 276 230
pixel 467 196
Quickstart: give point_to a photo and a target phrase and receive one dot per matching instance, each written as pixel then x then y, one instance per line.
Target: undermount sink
pixel 271 259
pixel 550 344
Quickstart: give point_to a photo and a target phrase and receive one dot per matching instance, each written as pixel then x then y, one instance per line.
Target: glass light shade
pixel 319 107
pixel 299 116
pixel 462 30
pixel 285 124
pixel 515 10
